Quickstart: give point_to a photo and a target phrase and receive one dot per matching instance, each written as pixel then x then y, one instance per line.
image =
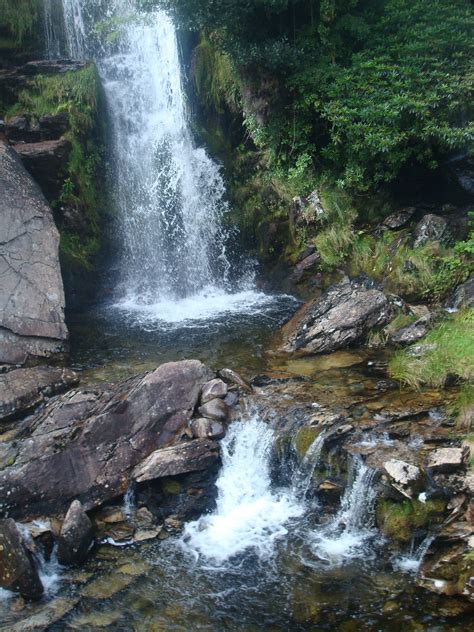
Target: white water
pixel 173 260
pixel 347 535
pixel 250 515
pixel 303 476
pixel 411 563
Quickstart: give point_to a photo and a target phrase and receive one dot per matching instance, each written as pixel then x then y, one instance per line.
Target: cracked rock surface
pixel 31 288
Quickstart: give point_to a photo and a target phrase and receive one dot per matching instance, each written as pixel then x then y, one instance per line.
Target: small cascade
pixel 411 563
pixel 250 515
pixel 129 502
pixel 347 533
pixel 303 476
pixel 51 28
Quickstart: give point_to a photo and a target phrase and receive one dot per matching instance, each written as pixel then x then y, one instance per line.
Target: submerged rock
pixel 17 569
pixel 344 315
pixel 84 445
pixel 76 536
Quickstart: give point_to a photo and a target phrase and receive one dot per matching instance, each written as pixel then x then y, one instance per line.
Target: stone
pixel 44 617
pixel 31 289
pixel 203 428
pixel 447 459
pixel 405 477
pixel 429 228
pixel 215 409
pixel 410 333
pixel 23 389
pixel 17 569
pixel 214 389
pixel 76 536
pixel 84 444
pixel 191 456
pixel 464 295
pixel 46 161
pixel 232 377
pixel 399 218
pixel 344 315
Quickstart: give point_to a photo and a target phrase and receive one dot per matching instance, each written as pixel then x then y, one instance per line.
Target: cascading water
pixel 249 514
pixel 303 476
pixel 169 195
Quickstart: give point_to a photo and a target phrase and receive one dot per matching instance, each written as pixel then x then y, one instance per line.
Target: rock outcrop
pixel 344 315
pixel 83 445
pixel 31 288
pixel 46 161
pixel 76 535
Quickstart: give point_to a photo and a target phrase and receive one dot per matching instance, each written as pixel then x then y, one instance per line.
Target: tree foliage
pixel 365 88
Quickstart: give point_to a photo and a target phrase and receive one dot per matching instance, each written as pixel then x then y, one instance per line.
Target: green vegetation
pixel 18 22
pixel 358 89
pixel 398 520
pixel 76 93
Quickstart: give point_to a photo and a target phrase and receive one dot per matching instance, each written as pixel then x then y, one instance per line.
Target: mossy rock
pixel 398 520
pixel 171 487
pixel 304 439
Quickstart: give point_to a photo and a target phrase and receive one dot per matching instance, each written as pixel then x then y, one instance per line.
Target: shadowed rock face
pixel 344 315
pixel 83 445
pixel 31 288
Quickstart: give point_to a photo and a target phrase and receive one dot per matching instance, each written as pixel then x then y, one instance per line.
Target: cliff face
pixel 31 289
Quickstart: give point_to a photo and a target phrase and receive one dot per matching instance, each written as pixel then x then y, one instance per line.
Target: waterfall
pixel 168 194
pixel 347 533
pixel 250 515
pixel 303 476
pixel 51 32
pixel 411 563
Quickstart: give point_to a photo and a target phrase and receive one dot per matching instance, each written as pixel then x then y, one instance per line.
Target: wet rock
pixel 405 477
pixel 232 377
pixel 143 535
pixel 45 616
pixel 429 228
pixel 447 459
pixel 76 536
pixel 187 457
pixel 344 315
pixel 231 398
pixel 46 161
pixel 83 445
pixel 23 389
pixel 212 390
pixel 305 264
pixel 399 218
pixel 17 569
pixel 32 299
pixel 215 409
pixel 107 586
pixel 411 333
pixel 464 295
pixel 207 429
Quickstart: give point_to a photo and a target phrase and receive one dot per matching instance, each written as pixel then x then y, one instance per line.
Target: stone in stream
pixel 448 459
pixel 75 537
pixel 215 409
pixel 342 316
pixel 212 390
pixel 32 296
pixel 17 569
pixel 83 445
pixel 203 428
pixel 23 389
pixel 232 377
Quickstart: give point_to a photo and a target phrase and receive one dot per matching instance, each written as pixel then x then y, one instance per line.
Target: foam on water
pixel 250 515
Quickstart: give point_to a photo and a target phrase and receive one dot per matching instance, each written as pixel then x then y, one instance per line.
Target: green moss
pixel 171 487
pixel 304 439
pixel 398 520
pixel 19 18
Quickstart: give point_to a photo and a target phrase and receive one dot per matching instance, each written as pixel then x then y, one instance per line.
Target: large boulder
pixel 83 445
pixel 17 569
pixel 46 161
pixel 31 288
pixel 429 228
pixel 23 389
pixel 344 315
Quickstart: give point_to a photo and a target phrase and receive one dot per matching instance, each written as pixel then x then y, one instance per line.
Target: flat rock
pixel 83 445
pixel 344 315
pixel 214 389
pixel 183 458
pixel 447 459
pixel 31 288
pixel 23 389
